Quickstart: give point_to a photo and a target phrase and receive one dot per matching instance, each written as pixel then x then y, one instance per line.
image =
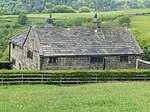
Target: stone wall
pixel 20 55
pixel 69 63
pixel 113 62
pixel 140 64
pixel 16 54
pixel 30 44
pixel 83 62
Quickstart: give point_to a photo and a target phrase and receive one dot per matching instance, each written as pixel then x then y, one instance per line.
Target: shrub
pixel 5 65
pixel 83 73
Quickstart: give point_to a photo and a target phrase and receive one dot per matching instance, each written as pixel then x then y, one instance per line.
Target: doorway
pixel 20 66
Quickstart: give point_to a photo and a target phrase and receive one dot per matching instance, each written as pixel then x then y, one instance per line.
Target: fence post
pixel 22 79
pixel 96 78
pixel 2 79
pixel 61 80
pixel 42 79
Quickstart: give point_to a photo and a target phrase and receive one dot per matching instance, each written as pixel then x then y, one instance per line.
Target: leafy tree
pixel 147 4
pixel 146 55
pixel 144 42
pixel 22 19
pixel 124 20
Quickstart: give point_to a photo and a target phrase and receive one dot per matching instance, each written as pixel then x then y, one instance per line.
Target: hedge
pixel 5 65
pixel 83 73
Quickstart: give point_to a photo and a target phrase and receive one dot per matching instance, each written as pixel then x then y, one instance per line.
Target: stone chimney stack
pixel 49 21
pixel 96 21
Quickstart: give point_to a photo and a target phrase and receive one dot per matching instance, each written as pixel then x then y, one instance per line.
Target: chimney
pixel 49 21
pixel 96 21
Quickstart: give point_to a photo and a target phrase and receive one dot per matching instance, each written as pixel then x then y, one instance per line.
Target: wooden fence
pixel 60 79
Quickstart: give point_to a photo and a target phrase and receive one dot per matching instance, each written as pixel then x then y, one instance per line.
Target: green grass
pixel 103 97
pixel 142 23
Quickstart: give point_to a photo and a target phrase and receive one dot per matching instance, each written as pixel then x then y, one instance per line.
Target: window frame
pixel 124 58
pixel 13 46
pixel 96 59
pixel 29 54
pixel 53 60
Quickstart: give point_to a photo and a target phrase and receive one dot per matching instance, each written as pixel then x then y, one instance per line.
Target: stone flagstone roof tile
pixel 59 41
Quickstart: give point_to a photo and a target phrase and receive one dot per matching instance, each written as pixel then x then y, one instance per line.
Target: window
pixel 13 46
pixel 13 61
pixel 96 59
pixel 29 54
pixel 123 58
pixel 53 60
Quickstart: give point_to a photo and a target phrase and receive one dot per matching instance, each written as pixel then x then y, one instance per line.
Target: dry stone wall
pixel 19 54
pixel 16 55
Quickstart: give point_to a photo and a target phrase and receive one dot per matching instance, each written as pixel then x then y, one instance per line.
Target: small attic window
pixel 13 46
pixel 29 54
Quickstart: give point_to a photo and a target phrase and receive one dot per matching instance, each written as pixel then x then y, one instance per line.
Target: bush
pixel 83 73
pixel 146 55
pixel 5 65
pixel 22 19
pixel 84 9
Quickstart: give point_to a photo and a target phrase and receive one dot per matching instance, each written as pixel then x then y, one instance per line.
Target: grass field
pixel 103 97
pixel 142 23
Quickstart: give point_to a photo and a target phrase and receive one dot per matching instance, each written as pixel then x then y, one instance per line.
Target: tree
pixel 22 19
pixel 84 9
pixel 124 20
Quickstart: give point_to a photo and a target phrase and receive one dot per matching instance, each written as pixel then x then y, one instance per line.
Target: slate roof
pixel 20 39
pixel 59 41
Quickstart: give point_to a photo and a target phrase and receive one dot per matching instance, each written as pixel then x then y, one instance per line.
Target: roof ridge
pixel 38 42
pixel 19 34
pixel 26 36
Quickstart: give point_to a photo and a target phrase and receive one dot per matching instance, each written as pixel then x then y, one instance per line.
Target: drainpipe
pixel 11 66
pixel 9 50
pixel 104 67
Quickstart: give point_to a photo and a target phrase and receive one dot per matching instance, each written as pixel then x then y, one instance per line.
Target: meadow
pixel 102 97
pixel 142 23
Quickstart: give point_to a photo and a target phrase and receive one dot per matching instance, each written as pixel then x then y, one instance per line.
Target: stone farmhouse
pixel 58 48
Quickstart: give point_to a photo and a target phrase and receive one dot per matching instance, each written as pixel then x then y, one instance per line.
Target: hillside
pixel 39 6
